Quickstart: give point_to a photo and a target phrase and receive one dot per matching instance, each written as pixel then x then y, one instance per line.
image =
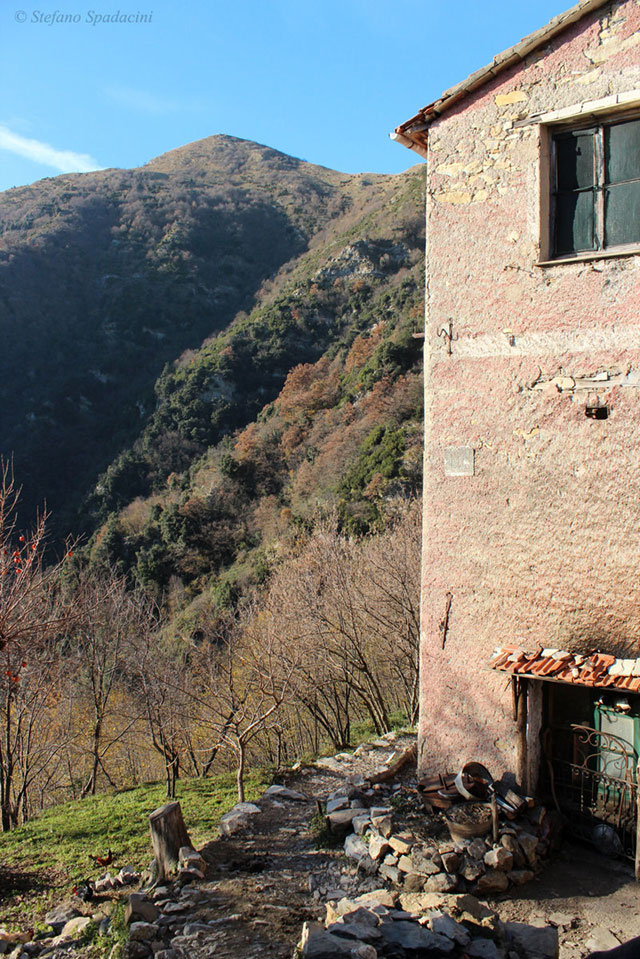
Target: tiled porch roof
pixel 595 669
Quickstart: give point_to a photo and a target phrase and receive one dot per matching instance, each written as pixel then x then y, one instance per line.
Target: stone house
pixel 531 546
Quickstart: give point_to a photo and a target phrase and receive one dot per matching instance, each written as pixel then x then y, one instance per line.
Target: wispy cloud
pixel 145 102
pixel 66 161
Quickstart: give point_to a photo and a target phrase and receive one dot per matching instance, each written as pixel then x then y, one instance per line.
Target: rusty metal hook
pixel 447 332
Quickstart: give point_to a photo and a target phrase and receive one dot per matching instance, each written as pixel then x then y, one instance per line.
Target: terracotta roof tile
pixel 598 669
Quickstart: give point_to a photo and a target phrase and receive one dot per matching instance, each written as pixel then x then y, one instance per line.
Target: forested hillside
pixel 106 279
pixel 209 373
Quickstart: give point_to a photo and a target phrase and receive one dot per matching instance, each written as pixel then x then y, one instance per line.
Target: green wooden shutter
pixel 622 183
pixel 575 193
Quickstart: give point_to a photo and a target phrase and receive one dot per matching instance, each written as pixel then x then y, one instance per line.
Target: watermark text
pixel 92 17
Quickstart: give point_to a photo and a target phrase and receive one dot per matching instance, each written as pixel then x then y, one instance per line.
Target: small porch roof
pixel 558 665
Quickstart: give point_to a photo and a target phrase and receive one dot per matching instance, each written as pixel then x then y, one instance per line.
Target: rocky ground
pixel 267 883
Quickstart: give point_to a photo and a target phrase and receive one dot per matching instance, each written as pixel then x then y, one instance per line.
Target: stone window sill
pixel 588 257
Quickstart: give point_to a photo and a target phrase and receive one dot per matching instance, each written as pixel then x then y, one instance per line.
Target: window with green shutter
pixel 596 188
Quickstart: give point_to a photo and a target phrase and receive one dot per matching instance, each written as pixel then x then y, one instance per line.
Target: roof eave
pixel 413 132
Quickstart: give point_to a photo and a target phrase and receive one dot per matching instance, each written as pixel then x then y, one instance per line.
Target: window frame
pixel 548 135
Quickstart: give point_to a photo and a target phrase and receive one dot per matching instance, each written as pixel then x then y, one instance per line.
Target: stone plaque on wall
pixel 459 461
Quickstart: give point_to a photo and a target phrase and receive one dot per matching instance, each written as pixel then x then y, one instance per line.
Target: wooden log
pixel 168 835
pixel 535 720
pixel 521 734
pixel 408 755
pixel 495 825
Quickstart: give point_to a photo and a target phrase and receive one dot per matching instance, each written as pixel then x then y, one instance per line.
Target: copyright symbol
pixel 20 16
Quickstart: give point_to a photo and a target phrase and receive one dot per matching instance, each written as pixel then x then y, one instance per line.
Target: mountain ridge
pixel 251 261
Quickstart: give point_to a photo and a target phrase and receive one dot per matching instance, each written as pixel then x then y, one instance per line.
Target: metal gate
pixel 592 779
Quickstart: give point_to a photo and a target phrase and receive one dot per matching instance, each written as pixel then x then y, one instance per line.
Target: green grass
pixel 41 861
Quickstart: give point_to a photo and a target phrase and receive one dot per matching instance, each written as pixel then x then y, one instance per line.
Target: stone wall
pixel 532 509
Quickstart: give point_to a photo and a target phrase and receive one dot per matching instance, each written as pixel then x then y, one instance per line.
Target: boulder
pixel 476 916
pixel 176 907
pixel 339 907
pixel 377 897
pixel 282 792
pixel 317 943
pixel 138 908
pixel 532 940
pixel 137 950
pixel 442 882
pixel 484 949
pixel 364 951
pixel 189 874
pixel 333 805
pixel 414 882
pixel 237 818
pixel 492 881
pixel 451 861
pixel 355 847
pixel 378 847
pixel 425 902
pixel 143 931
pixel 360 916
pixel 340 822
pixel 472 869
pixel 413 937
pixel 401 843
pixel 444 925
pixel 361 824
pixel 499 858
pixel 60 915
pixel 602 940
pixel 520 876
pixel 473 908
pixel 511 843
pixel 424 865
pixel 383 824
pixel 191 859
pixel 529 846
pixel 127 876
pixel 477 848
pixel 362 932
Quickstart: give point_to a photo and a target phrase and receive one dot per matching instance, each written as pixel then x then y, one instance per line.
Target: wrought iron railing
pixel 592 779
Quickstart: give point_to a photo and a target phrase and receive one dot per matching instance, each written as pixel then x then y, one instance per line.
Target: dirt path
pixel 594 901
pixel 265 882
pixel 260 884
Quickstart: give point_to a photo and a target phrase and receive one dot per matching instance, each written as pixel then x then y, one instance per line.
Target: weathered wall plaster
pixel 540 545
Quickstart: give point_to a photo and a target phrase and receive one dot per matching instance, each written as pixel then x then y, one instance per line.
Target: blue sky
pixel 324 80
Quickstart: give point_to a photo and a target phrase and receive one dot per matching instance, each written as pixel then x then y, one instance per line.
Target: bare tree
pixel 109 619
pixel 243 685
pixel 347 610
pixel 32 615
pixel 162 681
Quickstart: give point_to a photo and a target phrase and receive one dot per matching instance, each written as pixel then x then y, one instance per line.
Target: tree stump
pixel 168 834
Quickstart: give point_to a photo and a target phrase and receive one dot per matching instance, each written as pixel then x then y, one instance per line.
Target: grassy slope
pixel 42 861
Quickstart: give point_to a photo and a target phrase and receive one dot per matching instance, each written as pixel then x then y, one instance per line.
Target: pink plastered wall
pixel 541 545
